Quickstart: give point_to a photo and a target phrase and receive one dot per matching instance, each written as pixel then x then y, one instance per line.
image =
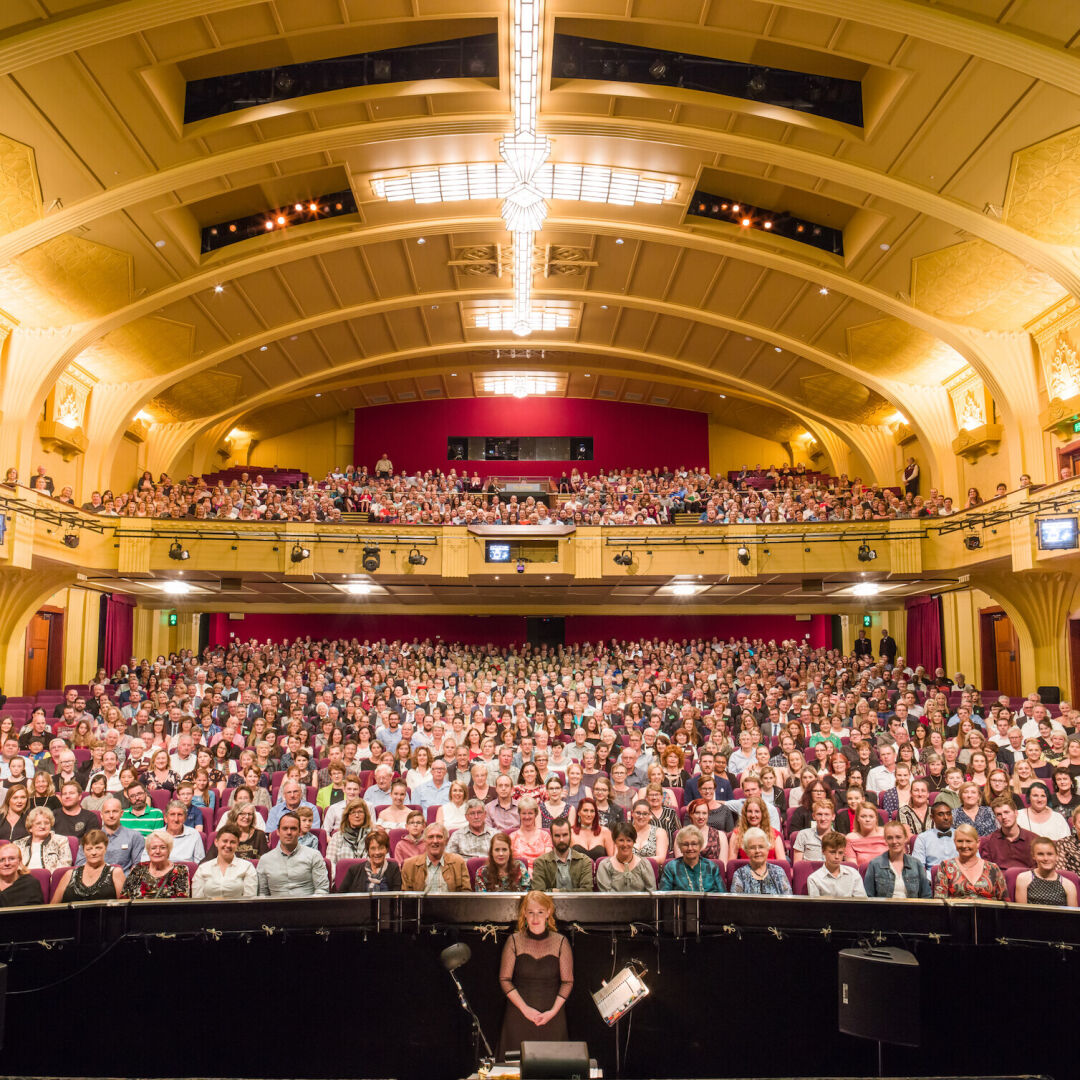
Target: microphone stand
pixel 477 1031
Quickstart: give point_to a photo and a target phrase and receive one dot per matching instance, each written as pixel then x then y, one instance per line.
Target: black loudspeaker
pixel 554 1061
pixel 1050 695
pixel 879 995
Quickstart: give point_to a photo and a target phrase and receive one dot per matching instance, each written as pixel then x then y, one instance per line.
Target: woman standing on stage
pixel 536 975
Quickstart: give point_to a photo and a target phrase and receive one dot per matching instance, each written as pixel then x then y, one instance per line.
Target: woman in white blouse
pixel 43 849
pixel 226 877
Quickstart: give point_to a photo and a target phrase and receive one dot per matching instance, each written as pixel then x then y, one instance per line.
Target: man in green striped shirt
pixel 140 815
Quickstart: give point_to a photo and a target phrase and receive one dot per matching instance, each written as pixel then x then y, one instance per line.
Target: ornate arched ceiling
pixel 957 199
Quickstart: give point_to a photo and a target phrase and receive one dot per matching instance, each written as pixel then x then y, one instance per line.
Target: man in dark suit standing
pixel 863 646
pixel 887 647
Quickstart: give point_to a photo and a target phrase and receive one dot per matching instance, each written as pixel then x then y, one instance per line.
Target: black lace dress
pixel 540 969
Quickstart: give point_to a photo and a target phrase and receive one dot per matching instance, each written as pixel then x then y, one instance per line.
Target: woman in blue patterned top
pixel 759 876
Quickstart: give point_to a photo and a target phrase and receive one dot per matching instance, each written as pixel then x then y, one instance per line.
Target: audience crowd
pixel 709 766
pixel 448 497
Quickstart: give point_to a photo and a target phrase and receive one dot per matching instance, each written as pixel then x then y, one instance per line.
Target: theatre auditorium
pixel 539 539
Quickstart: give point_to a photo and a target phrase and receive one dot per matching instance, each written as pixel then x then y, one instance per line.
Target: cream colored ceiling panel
pixel 653 271
pixel 186 37
pixel 692 278
pixel 750 17
pixel 705 115
pixel 958 130
pixel 1044 113
pixel 767 366
pixel 702 343
pixel 444 324
pixel 633 329
pixel 218 142
pixel 644 109
pixel 24 14
pixel 285 124
pixel 211 392
pixel 598 324
pixel 76 110
pixel 390 268
pixel 733 286
pixel 1044 198
pixel 1051 22
pixel 668 335
pixel 407 328
pixel 307 14
pixel 896 349
pixel 771 299
pixel 244 24
pixel 804 27
pixel 271 298
pixel 616 264
pixel 870 42
pixel 815 142
pixel 337 342
pixel 309 284
pixel 114 67
pixel 374 335
pixel 20 202
pixel 347 274
pixel 427 263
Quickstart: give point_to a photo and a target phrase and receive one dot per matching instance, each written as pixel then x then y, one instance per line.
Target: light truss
pixel 490 180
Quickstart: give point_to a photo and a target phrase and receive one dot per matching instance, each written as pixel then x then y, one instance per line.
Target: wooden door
pixel 1007 656
pixel 36 671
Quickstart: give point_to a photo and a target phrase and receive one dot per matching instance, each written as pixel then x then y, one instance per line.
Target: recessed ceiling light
pixel 159 243
pixel 776 348
pixel 421 241
pixel 866 588
pixel 318 395
pixel 884 247
pixel 263 348
pixel 619 240
pixel 603 307
pixel 177 588
pixel 587 375
pixel 453 374
pixel 683 589
pixel 722 396
pixel 219 288
pixel 357 588
pixel 823 290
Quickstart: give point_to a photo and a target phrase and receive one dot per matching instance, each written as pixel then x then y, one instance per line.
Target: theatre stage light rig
pixel 372 559
pixel 415 558
pixel 973 542
pixel 178 552
pixel 624 558
pixel 299 553
pixel 866 553
pixel 743 555
pixel 71 539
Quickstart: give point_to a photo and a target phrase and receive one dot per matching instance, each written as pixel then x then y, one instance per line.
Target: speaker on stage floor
pixel 879 995
pixel 554 1060
pixel 1050 695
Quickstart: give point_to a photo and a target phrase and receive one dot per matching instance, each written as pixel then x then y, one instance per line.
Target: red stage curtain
pixel 924 632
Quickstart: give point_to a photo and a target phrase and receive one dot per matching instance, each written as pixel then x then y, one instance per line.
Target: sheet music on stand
pixel 617 997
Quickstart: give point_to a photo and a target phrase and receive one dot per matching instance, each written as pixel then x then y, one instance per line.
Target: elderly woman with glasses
pixel 43 849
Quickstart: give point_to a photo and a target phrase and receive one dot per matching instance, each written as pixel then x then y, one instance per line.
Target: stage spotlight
pixel 624 558
pixel 972 543
pixel 866 553
pixel 658 68
pixel 520 567
pixel 371 559
pixel 178 552
pixel 299 554
pixel 415 558
pixel 71 540
pixel 381 70
pixel 743 555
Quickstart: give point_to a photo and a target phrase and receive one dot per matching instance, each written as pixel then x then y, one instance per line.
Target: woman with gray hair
pixel 160 878
pixel 759 876
pixel 43 849
pixel 690 872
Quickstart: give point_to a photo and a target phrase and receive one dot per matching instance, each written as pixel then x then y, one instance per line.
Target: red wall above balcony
pixel 624 434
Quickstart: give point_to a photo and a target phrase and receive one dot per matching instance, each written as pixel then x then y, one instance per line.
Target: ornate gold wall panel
pixel 981 286
pixel 891 347
pixel 20 200
pixel 1044 190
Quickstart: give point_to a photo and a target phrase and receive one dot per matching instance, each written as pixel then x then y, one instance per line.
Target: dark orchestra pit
pixel 352 986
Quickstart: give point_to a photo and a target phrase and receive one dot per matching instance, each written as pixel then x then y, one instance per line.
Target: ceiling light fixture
pixel 219 289
pixel 357 588
pixel 416 559
pixel 743 555
pixel 299 553
pixel 866 588
pixel 371 559
pixel 624 558
pixel 683 589
pixel 177 588
pixel 71 539
pixel 824 291
pixel 866 553
pixel 178 552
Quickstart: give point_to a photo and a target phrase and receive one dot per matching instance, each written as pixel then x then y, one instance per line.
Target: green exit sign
pixel 172 618
pixel 1076 426
pixel 866 620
